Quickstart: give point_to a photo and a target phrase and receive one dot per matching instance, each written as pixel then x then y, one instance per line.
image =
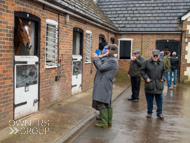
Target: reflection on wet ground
pixel 130 124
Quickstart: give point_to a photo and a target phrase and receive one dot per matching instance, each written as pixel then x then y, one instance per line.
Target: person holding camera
pixel 103 85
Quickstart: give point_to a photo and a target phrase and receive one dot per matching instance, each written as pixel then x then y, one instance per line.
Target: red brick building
pixel 55 68
pixel 148 25
pixel 64 34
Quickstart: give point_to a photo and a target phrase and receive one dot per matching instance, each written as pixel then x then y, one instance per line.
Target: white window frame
pixel 54 23
pixel 88 32
pixel 124 39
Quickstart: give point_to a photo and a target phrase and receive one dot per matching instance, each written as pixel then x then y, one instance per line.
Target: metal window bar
pixel 51 55
pixel 49 32
pixel 88 47
pixel 47 42
pixel 51 40
pixel 51 59
pixel 51 45
pixel 51 37
pixel 51 26
pixel 51 50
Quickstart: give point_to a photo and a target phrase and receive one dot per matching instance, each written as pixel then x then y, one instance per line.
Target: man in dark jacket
pixel 153 72
pixel 134 73
pixel 174 66
pixel 103 84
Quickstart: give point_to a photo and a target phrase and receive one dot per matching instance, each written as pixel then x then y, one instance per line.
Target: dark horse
pixel 22 36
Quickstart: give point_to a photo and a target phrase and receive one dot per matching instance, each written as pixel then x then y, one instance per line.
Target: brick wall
pixel 6 60
pixel 145 43
pixel 185 65
pixel 50 90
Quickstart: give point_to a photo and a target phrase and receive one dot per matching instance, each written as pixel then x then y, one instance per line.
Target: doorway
pixel 77 60
pixel 26 70
pixel 171 45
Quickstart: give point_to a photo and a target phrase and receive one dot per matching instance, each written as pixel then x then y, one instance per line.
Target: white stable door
pixel 76 74
pixel 26 86
pixel 76 64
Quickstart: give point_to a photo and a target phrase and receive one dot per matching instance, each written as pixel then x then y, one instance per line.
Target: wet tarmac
pixel 130 124
pixel 56 122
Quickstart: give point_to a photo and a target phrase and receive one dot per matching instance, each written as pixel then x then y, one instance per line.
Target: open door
pixel 171 45
pixel 26 69
pixel 77 61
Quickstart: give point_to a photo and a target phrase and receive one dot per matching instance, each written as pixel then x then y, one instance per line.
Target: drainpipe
pixel 141 44
pixel 181 40
pixel 179 69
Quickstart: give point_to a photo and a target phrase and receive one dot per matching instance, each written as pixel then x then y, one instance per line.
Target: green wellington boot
pixel 104 116
pixel 110 114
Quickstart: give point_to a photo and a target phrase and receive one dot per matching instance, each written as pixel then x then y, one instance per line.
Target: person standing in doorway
pixel 135 75
pixel 174 66
pixel 167 64
pixel 161 55
pixel 103 85
pixel 153 72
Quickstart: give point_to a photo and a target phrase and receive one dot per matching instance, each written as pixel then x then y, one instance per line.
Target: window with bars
pixel 88 46
pixel 51 43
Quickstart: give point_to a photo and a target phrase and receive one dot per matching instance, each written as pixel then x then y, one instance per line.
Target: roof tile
pixel 160 15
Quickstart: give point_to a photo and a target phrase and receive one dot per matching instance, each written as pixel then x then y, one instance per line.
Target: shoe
pixel 110 114
pixel 149 115
pixel 130 99
pixel 170 88
pixel 136 100
pixel 104 119
pixel 174 86
pixel 98 118
pixel 161 117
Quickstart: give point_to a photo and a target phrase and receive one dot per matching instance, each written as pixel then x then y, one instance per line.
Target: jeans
pixel 168 78
pixel 159 102
pixel 175 76
pixel 135 83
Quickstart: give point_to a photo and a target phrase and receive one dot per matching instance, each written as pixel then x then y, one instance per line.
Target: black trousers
pixel 135 83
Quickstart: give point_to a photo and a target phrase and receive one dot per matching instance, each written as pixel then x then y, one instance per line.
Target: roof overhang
pixel 185 16
pixel 51 5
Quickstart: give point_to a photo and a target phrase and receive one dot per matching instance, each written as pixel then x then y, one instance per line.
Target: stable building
pixel 62 36
pixel 151 24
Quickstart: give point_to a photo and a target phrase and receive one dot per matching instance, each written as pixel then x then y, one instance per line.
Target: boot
pixel 110 114
pixel 104 116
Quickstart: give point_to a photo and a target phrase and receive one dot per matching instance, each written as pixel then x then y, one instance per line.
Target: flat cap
pixel 136 52
pixel 155 52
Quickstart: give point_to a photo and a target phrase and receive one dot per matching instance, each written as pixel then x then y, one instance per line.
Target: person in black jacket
pixel 154 74
pixel 174 66
pixel 135 75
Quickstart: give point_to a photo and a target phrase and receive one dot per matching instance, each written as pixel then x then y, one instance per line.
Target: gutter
pixel 73 14
pixel 154 32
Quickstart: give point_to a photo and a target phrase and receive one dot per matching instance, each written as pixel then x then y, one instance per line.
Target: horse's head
pixel 24 34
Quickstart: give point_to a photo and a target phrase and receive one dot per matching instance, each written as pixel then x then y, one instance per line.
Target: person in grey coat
pixel 103 85
pixel 135 75
pixel 154 74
